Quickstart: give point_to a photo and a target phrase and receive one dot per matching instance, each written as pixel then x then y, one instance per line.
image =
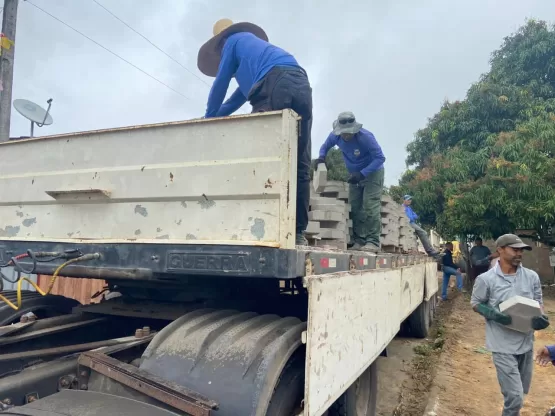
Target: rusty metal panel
pixel 217 181
pixel 352 318
pixel 412 288
pixel 78 289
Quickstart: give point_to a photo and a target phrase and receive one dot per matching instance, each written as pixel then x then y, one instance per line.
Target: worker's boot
pixel 370 248
pixel 300 240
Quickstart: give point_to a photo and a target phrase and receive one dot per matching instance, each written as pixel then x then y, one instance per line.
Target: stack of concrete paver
pixel 330 224
pixel 397 234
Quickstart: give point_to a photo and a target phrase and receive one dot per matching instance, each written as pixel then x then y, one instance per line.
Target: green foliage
pixel 485 165
pixel 337 171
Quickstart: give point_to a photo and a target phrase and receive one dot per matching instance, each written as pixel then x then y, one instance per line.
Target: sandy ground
pixel 465 381
pixel 393 373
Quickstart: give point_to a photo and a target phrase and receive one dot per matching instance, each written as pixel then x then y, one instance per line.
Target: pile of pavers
pixel 328 219
pixel 397 234
pixel 330 224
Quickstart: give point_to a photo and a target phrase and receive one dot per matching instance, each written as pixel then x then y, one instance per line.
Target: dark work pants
pixel 365 199
pixel 280 89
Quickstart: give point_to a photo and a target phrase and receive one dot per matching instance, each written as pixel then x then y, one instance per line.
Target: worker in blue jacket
pixel 270 79
pixel 420 232
pixel 364 159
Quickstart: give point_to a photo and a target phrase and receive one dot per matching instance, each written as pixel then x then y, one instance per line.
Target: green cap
pixel 511 240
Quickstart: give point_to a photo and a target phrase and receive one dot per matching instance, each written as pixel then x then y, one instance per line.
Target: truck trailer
pixel 209 308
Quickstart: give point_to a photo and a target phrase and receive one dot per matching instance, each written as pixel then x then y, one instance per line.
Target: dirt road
pixel 451 372
pixel 465 381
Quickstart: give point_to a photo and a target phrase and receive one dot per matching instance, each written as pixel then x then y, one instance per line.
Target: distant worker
pixel 480 258
pixel 420 232
pixel 450 269
pixel 365 163
pixel 512 350
pixel 270 79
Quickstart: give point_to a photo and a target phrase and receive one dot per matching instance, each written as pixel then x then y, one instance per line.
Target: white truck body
pixel 218 181
pixel 193 182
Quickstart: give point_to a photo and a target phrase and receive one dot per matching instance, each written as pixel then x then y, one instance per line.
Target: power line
pixel 106 49
pixel 153 44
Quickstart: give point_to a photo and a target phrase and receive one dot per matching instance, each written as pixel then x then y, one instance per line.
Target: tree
pixel 484 166
pixel 337 171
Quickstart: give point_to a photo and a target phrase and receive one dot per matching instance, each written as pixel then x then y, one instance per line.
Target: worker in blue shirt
pixel 364 159
pixel 270 79
pixel 420 232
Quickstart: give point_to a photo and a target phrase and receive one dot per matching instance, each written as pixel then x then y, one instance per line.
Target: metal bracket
pixel 169 393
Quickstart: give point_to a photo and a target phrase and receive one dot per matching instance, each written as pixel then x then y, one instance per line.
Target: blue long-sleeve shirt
pixel 412 216
pixel 361 154
pixel 248 59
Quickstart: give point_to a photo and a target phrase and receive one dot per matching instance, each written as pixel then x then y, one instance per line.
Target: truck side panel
pixel 432 282
pixel 203 182
pixel 352 318
pixel 412 289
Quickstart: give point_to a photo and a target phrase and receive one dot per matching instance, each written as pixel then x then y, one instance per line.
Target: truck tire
pixel 419 321
pixel 289 390
pixel 360 399
pixel 42 306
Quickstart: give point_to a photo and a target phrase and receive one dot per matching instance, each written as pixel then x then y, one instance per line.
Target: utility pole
pixel 7 48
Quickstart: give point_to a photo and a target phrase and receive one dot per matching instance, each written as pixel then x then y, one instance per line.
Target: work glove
pixel 316 162
pixel 540 322
pixel 494 315
pixel 355 178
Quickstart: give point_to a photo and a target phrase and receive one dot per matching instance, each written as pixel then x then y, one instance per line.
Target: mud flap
pixel 233 357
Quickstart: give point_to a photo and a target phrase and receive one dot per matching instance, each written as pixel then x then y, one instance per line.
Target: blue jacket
pixel 248 59
pixel 412 216
pixel 361 154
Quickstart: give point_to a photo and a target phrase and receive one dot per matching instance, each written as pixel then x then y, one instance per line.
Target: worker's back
pixel 255 58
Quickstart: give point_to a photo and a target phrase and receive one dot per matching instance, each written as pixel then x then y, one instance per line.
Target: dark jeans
pixel 285 88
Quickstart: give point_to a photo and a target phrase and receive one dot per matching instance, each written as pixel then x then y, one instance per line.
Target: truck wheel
pixel 289 390
pixel 419 320
pixel 42 306
pixel 360 399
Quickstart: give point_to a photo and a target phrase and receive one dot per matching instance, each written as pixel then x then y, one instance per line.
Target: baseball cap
pixel 407 197
pixel 511 240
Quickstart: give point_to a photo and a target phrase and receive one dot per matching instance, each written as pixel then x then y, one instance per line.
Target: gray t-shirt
pixel 493 288
pixel 478 254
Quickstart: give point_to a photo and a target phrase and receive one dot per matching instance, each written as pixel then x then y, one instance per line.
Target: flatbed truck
pixel 210 308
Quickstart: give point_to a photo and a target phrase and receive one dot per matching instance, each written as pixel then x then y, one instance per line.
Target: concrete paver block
pixel 522 310
pixel 320 178
pixel 327 233
pixel 322 215
pixel 328 208
pixel 313 227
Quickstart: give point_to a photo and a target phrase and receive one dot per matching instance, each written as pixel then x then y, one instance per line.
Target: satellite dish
pixel 34 112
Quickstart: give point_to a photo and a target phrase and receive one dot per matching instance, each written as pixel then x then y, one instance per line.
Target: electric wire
pixel 19 290
pixel 106 49
pixel 152 43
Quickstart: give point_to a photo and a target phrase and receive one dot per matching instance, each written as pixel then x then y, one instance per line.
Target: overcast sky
pixel 391 62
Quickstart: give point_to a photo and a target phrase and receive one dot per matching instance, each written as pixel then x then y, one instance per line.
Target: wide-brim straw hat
pixel 209 55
